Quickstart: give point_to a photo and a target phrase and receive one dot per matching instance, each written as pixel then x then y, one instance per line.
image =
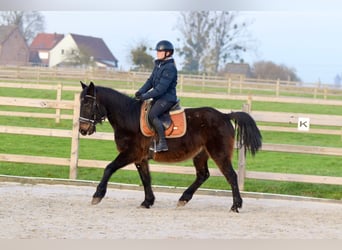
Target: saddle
pixel 173 121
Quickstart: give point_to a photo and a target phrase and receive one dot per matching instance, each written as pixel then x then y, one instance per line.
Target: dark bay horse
pixel 210 133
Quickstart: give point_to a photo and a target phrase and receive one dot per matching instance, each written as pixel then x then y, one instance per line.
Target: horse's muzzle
pixel 86 128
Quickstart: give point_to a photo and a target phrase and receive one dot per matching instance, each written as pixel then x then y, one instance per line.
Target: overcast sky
pixel 302 34
pixel 308 41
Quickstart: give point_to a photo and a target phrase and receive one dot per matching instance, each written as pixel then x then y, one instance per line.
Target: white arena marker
pixel 303 124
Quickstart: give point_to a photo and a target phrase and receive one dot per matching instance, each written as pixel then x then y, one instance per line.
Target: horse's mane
pixel 124 109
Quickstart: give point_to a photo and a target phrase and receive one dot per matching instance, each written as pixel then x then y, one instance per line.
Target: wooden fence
pixel 73 161
pixel 228 85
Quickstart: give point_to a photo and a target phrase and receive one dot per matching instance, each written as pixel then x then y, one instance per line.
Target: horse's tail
pixel 248 134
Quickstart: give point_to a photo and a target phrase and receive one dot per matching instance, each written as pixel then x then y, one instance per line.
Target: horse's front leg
pixel 145 176
pixel 120 161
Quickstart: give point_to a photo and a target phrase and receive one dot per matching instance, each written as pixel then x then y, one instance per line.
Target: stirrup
pixel 160 147
pixel 153 146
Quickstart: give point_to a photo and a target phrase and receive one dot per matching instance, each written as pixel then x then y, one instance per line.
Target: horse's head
pixel 89 110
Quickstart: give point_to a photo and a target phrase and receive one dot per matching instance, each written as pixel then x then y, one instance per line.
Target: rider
pixel 161 87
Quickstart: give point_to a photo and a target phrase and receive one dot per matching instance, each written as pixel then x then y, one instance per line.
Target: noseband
pixel 97 116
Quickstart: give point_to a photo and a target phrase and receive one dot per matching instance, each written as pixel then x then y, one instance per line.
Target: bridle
pixel 97 116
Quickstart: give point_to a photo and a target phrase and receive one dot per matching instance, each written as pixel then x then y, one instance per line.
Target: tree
pixel 211 39
pixel 272 71
pixel 140 58
pixel 195 28
pixel 30 23
pixel 230 40
pixel 78 57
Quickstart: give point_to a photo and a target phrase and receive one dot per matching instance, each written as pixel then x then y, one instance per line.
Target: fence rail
pixel 230 84
pixel 73 162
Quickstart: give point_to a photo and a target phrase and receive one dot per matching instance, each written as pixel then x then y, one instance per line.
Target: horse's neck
pixel 119 112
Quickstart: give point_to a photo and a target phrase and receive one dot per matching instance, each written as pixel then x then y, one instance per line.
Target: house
pixel 13 47
pixel 238 69
pixel 76 49
pixel 41 46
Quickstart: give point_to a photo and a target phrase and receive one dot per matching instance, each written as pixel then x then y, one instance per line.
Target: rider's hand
pixel 138 95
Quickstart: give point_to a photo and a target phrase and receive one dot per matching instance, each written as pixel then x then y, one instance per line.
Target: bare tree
pixel 29 22
pixel 195 28
pixel 230 39
pixel 273 71
pixel 211 39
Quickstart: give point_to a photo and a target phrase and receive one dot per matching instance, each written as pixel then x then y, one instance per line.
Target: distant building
pixel 82 50
pixel 41 46
pixel 13 47
pixel 237 69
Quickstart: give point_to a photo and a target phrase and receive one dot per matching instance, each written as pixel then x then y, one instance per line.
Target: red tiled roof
pixel 95 47
pixel 45 41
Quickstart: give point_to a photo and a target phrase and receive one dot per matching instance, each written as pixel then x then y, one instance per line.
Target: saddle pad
pixel 175 130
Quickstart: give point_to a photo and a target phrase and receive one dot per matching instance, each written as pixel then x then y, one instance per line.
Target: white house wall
pixel 56 55
pixel 43 55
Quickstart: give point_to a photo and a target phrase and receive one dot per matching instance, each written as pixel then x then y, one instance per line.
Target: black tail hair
pixel 248 134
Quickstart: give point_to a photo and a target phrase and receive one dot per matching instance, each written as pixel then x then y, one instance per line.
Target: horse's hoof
pixel 234 209
pixel 181 203
pixel 145 204
pixel 96 200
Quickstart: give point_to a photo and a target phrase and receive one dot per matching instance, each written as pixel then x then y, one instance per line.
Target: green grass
pixel 106 150
pixel 302 139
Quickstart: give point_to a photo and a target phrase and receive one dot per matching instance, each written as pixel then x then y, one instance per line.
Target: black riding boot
pixel 161 145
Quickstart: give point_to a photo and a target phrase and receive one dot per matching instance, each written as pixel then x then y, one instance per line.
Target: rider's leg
pixel 159 107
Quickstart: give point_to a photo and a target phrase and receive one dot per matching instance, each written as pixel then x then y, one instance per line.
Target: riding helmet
pixel 164 45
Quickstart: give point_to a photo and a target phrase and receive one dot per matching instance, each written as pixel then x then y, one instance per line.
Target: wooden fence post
pixel 75 139
pixel 58 98
pixel 277 87
pixel 38 74
pixel 325 93
pixel 133 77
pixel 249 102
pixel 229 87
pixel 318 86
pixel 55 72
pixel 242 158
pixel 181 82
pixel 240 84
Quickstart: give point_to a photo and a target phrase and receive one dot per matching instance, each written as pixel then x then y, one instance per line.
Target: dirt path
pixel 64 212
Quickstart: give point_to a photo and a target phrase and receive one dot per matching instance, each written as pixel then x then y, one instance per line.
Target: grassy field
pixel 105 150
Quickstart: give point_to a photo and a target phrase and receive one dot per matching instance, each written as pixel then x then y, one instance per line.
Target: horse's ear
pixel 91 89
pixel 83 85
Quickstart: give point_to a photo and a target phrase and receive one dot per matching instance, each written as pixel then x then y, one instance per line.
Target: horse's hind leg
pixel 202 174
pixel 145 177
pixel 231 177
pixel 225 165
pixel 220 150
